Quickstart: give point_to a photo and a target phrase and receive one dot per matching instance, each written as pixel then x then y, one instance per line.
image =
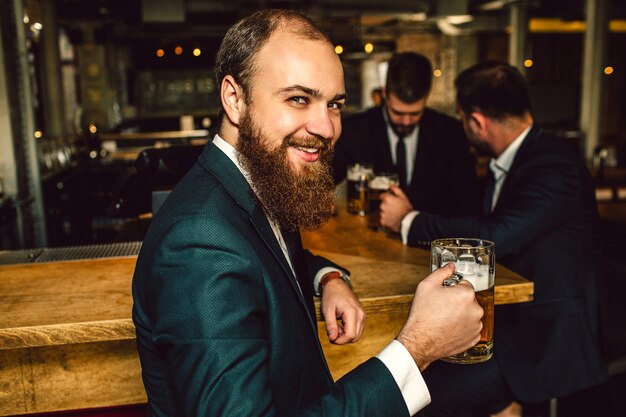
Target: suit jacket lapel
pixel 488 197
pixel 425 139
pixel 294 245
pixel 381 145
pixel 214 161
pixel 522 153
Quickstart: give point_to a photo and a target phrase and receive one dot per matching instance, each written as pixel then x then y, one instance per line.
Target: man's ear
pixel 233 103
pixel 479 120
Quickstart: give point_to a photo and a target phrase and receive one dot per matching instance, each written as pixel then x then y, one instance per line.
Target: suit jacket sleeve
pixel 208 310
pixel 536 197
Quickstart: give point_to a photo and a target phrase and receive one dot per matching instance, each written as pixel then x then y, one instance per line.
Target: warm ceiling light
pixel 608 70
pixel 338 49
pixel 528 63
pixel 417 17
pixel 178 50
pixel 160 53
pixel 459 19
pixel 369 47
pixel 93 128
pixel 197 52
pixel 38 134
pixel 437 73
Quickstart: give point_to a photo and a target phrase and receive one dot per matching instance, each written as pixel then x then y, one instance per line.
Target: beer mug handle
pixel 454 279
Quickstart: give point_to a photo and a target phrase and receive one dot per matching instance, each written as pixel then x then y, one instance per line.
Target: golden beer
pixel 357 179
pixel 483 350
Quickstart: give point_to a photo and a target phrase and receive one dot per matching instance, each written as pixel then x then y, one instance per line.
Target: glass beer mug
pixel 357 178
pixel 474 261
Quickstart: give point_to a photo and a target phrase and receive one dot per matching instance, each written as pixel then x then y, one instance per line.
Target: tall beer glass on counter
pixel 357 178
pixel 377 186
pixel 474 261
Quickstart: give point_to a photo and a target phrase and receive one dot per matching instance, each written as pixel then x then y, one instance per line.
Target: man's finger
pixel 397 191
pixel 361 325
pixel 438 275
pixel 349 324
pixel 466 283
pixel 332 329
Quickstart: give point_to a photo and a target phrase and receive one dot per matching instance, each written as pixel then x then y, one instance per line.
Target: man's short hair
pixel 496 89
pixel 241 44
pixel 409 76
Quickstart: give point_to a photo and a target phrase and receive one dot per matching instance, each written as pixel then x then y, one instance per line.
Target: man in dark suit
pixel 540 210
pixel 223 290
pixel 437 170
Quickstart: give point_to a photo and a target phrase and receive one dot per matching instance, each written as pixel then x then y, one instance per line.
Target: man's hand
pixel 339 302
pixel 393 207
pixel 443 321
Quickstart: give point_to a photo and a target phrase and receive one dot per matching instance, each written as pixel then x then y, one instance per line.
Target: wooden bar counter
pixel 67 341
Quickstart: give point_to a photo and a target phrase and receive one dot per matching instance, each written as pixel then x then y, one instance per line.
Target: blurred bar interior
pixel 85 85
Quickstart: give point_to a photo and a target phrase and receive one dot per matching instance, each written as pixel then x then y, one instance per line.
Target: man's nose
pixel 406 120
pixel 321 123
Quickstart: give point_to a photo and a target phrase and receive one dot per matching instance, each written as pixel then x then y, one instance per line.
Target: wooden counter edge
pixel 124 329
pixel 66 334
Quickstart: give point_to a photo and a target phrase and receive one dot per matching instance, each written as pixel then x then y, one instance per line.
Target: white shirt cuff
pixel 319 275
pixel 407 375
pixel 405 225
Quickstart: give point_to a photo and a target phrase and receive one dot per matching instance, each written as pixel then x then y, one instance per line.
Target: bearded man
pixel 223 291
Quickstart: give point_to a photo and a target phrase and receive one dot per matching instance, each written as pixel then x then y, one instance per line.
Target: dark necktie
pixel 401 162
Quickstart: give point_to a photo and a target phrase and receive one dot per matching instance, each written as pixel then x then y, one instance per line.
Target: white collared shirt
pixel 501 165
pixel 410 145
pixel 395 356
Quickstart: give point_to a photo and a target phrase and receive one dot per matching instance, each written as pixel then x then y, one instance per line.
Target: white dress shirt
pixel 501 165
pixel 395 356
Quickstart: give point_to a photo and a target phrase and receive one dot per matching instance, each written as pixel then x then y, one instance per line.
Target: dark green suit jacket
pixel 222 328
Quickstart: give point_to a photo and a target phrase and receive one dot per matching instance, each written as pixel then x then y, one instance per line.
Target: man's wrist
pixel 410 345
pixel 331 276
pixel 405 225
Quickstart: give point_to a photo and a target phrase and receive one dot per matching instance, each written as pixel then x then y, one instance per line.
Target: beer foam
pixel 478 276
pixel 356 174
pixel 356 171
pixel 381 183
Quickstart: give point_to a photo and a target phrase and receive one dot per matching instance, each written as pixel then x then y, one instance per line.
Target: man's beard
pixel 292 199
pixel 401 130
pixel 480 145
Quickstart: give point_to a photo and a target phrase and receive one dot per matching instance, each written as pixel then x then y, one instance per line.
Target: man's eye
pixel 298 100
pixel 336 105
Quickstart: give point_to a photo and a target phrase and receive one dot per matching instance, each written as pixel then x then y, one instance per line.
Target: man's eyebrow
pixel 309 91
pixel 415 113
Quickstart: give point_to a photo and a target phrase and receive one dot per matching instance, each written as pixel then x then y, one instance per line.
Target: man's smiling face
pixel 291 123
